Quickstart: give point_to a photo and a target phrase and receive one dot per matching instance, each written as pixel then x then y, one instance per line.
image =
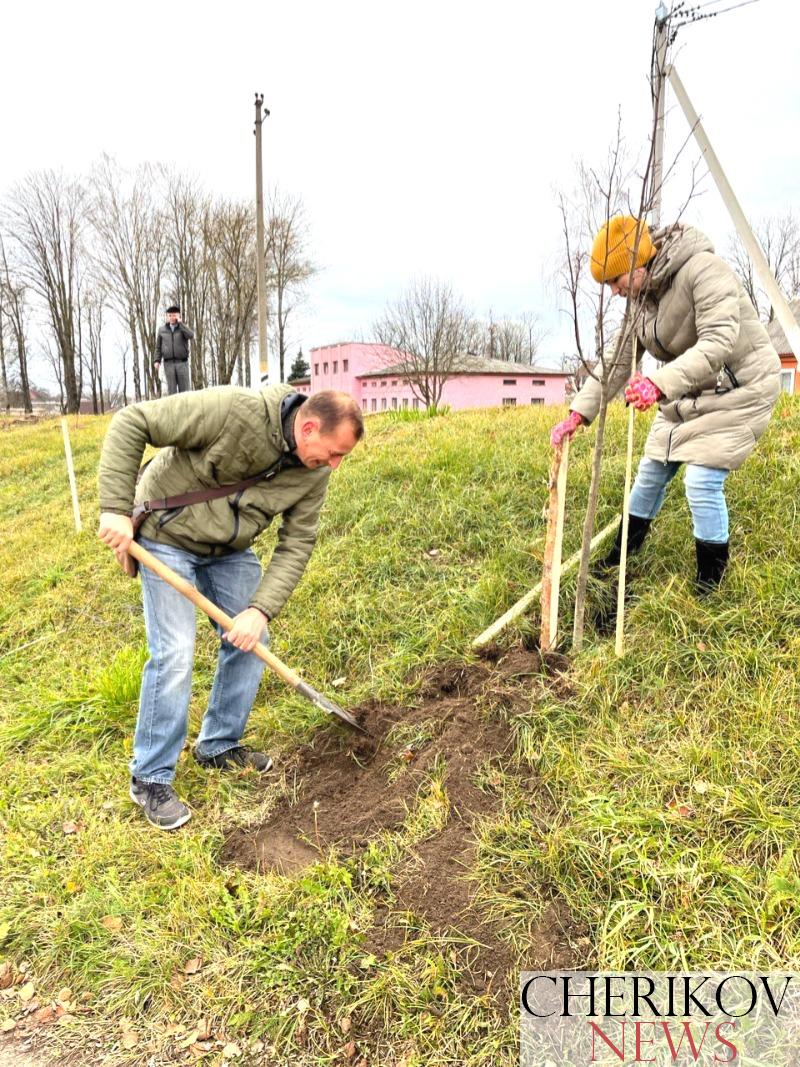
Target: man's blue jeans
pixel 161 727
pixel 705 492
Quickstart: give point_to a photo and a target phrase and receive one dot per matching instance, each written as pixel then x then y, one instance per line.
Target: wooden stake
pixel 71 472
pixel 619 642
pixel 551 570
pixel 524 603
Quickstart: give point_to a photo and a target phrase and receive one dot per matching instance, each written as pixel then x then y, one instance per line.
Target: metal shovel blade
pixel 333 709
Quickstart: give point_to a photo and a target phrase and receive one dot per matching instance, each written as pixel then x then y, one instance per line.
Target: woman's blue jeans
pixel 170 621
pixel 705 492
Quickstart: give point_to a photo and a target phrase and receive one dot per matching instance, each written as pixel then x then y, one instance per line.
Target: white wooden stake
pixel 782 310
pixel 71 472
pixel 524 603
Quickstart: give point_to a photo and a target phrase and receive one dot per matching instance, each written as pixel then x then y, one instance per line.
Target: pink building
pixel 372 374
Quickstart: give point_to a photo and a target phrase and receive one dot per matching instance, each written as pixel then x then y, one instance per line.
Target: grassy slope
pixel 675 771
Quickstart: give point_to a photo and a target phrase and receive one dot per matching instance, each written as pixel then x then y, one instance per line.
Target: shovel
pixel 285 673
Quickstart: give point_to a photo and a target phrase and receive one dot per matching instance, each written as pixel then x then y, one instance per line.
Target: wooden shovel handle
pixel 154 564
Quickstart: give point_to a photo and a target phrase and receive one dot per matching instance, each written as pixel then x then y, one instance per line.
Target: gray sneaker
pixel 238 756
pixel 160 804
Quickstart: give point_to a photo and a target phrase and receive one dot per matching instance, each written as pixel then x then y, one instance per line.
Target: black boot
pixel 712 559
pixel 637 531
pixel 605 615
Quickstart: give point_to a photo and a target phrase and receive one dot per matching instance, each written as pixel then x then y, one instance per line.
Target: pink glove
pixel 642 393
pixel 566 428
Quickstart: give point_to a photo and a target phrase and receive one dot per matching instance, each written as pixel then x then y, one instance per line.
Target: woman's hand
pixel 565 428
pixel 642 393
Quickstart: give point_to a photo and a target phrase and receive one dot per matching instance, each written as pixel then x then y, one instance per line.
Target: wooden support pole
pixel 524 603
pixel 782 310
pixel 71 472
pixel 551 571
pixel 619 643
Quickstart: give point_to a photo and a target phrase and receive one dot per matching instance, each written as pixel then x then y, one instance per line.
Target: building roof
pixel 474 365
pixel 776 334
pixel 306 380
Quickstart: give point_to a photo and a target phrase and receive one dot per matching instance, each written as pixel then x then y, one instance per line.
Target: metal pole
pixel 659 87
pixel 782 310
pixel 261 279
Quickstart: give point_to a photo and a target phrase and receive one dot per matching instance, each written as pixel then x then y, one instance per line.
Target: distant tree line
pixel 77 253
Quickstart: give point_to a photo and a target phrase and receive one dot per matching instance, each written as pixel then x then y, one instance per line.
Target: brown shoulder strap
pixel 198 496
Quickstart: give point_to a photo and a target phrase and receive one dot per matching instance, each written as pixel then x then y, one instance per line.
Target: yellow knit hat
pixel 612 251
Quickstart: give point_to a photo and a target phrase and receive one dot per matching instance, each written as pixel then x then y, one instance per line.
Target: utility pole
pixel 261 280
pixel 659 88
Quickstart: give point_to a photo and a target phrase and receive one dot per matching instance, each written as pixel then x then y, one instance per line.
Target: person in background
pixel 172 349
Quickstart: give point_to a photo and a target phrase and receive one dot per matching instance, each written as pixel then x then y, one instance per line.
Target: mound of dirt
pixel 343 789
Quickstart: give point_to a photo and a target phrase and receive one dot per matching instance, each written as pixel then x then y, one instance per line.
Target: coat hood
pixel 676 245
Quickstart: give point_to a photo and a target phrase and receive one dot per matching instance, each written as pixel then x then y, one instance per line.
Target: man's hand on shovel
pixel 116 531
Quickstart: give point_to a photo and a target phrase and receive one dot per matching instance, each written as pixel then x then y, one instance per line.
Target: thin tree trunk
pixel 588 523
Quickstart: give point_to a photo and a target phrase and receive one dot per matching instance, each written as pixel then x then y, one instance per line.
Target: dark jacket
pixel 173 344
pixel 217 437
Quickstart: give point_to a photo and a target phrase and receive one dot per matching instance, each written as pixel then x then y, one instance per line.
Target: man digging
pixel 218 437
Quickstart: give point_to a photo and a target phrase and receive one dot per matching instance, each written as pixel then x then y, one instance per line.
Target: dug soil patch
pixel 343 790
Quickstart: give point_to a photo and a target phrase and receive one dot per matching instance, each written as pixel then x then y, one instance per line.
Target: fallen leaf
pixel 702 646
pixel 69 827
pixel 177 982
pixel 204 1031
pixel 339 681
pixel 194 965
pixel 189 1039
pixel 67 1019
pixel 44 1015
pixel 302 1005
pixel 71 887
pixel 26 993
pixel 700 786
pixel 113 923
pixel 680 809
pixel 130 1039
pixel 64 995
pixel 349 1050
pixel 6 976
pixel 231 1051
pixel 7 1025
pixel 346 1023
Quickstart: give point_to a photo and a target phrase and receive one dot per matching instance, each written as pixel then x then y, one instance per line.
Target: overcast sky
pixel 423 138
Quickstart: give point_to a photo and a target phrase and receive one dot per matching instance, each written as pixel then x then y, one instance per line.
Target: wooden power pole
pixel 261 279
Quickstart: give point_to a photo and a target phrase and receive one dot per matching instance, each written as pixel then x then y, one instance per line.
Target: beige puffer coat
pixel 720 377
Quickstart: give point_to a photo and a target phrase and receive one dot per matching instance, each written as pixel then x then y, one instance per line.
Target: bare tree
pixel 779 237
pixel 608 357
pixel 289 267
pixel 13 310
pixel 511 340
pixel 428 331
pixel 187 209
pixel 229 236
pixel 130 255
pixel 92 352
pixel 46 215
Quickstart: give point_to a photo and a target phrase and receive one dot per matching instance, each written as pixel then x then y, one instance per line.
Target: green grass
pixel 670 779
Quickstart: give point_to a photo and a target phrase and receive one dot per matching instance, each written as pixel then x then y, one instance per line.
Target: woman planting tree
pixel 715 392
